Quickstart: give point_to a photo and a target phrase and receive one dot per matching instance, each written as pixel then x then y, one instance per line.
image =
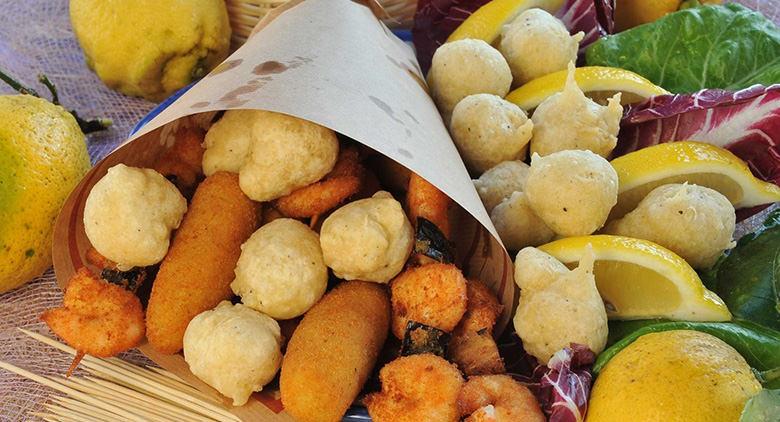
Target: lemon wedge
pixel 597 82
pixel 639 279
pixel 698 163
pixel 486 22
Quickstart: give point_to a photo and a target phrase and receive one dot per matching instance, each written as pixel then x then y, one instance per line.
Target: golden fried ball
pixel 517 224
pixel 130 213
pixel 693 221
pixel 489 130
pixel 536 43
pixel 561 308
pixel 234 349
pixel 465 67
pixel 369 239
pixel 281 272
pixel 572 191
pixel 273 153
pixel 570 120
pixel 498 183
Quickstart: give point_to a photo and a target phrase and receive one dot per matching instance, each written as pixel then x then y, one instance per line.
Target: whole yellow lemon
pixel 673 376
pixel 43 156
pixel 151 48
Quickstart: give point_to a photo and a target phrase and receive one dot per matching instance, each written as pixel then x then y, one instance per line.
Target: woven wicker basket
pixel 244 14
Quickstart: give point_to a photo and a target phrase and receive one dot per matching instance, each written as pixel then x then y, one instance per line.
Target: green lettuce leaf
pixel 728 46
pixel 748 278
pixel 764 407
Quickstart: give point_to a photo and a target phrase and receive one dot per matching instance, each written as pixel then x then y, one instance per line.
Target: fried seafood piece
pixel 196 273
pixel 342 182
pixel 333 351
pixel 416 388
pixel 426 201
pixel 97 318
pixel 497 398
pixel 433 294
pixel 472 346
pixel 181 164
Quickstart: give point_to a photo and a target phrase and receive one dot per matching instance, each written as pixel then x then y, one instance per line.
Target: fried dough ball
pixel 489 130
pixel 130 213
pixel 273 153
pixel 234 349
pixel 498 398
pixel 570 120
pixel 281 272
pixel 433 294
pixel 416 388
pixel 472 346
pixel 692 221
pixel 498 183
pixel 517 224
pixel 465 67
pixel 369 239
pixel 97 317
pixel 536 43
pixel 559 307
pixel 572 191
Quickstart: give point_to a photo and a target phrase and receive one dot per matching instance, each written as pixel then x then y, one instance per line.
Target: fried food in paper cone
pixel 472 346
pixel 196 273
pixel 416 388
pixel 320 197
pixel 433 294
pixel 333 350
pixel 97 317
pixel 426 201
pixel 181 164
pixel 497 398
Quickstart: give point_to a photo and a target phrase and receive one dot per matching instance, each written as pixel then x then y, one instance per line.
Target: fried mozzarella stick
pixel 333 350
pixel 196 273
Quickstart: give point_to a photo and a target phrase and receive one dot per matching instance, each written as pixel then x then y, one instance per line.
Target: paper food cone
pixel 334 63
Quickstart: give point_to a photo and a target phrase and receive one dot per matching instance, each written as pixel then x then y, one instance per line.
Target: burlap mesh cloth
pixel 35 37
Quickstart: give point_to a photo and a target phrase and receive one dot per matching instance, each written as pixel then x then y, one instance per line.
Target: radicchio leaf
pixel 564 384
pixel 434 21
pixel 746 122
pixel 593 17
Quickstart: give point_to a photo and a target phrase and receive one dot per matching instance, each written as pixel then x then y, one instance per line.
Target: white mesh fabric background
pixel 36 37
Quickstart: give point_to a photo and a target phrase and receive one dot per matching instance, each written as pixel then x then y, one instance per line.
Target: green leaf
pixel 728 46
pixel 748 278
pixel 760 346
pixel 764 407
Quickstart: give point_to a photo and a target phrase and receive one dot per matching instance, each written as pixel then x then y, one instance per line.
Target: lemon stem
pixel 87 126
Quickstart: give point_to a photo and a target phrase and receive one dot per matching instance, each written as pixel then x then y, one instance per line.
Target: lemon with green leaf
pixel 43 156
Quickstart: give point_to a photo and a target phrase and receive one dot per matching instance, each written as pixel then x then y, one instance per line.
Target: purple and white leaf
pixel 746 122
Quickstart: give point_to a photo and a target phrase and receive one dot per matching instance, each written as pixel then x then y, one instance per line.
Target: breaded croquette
pixel 416 388
pixel 181 164
pixel 498 398
pixel 97 318
pixel 196 273
pixel 472 346
pixel 333 350
pixel 426 201
pixel 434 294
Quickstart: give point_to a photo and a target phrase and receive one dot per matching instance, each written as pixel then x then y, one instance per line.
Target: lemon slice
pixel 486 22
pixel 693 162
pixel 597 82
pixel 639 279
